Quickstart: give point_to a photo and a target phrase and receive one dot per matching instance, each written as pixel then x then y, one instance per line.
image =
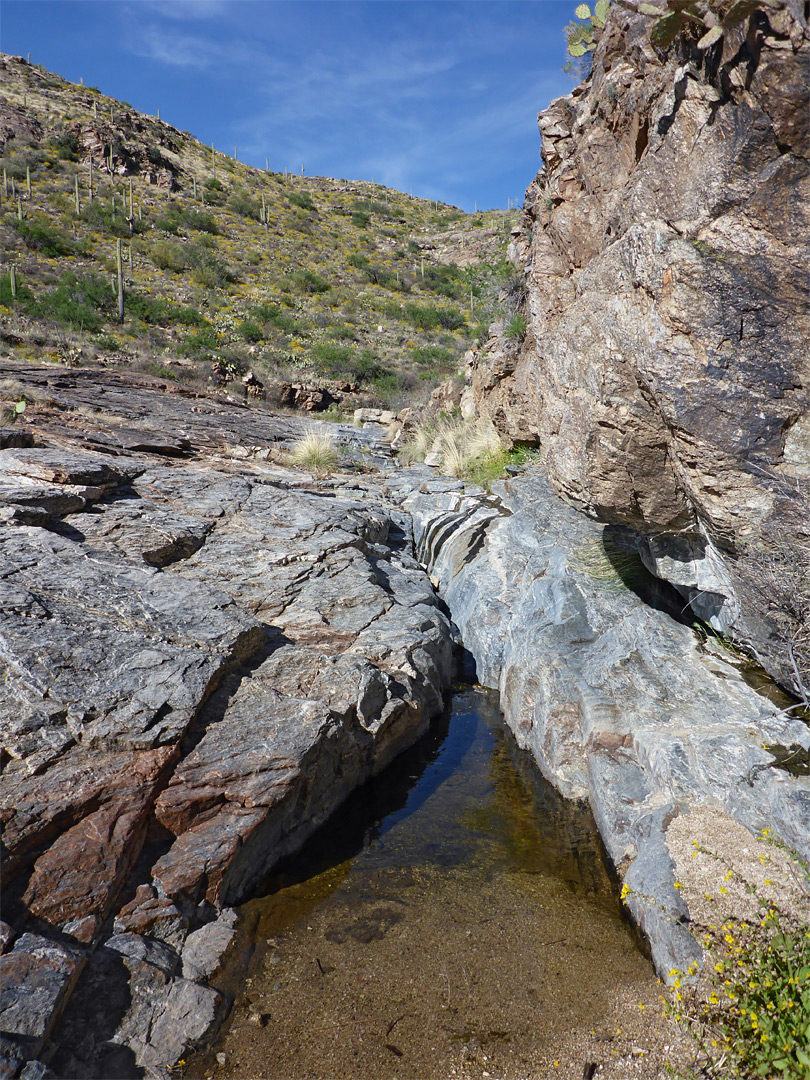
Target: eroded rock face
pixel 618 701
pixel 665 373
pixel 203 654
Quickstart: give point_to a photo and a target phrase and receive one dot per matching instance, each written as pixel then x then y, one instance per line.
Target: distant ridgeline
pixel 128 242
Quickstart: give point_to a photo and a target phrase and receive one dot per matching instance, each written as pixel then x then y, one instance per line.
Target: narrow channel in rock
pixel 455 918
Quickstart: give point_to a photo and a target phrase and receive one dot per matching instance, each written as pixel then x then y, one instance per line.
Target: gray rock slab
pixel 208 643
pixel 616 700
pixel 136 946
pixel 188 1015
pixel 204 948
pixel 36 977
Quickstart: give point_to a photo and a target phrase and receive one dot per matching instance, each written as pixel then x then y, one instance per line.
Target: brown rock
pixel 81 872
pixel 665 363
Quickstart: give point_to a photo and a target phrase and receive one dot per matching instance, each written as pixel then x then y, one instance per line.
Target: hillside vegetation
pixel 226 269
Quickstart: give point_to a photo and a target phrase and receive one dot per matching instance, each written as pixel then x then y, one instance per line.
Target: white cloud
pixel 186 9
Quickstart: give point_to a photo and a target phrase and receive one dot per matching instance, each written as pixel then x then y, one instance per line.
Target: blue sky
pixel 438 98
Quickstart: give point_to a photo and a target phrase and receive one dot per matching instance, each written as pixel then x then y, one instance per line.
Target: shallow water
pixel 455 919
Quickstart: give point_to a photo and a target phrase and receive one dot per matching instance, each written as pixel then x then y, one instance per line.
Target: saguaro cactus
pixel 119 271
pixel 76 191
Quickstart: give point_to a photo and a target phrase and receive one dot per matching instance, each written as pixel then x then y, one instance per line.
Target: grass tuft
pixel 315 451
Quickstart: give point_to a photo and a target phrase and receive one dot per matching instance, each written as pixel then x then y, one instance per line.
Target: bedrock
pixel 618 701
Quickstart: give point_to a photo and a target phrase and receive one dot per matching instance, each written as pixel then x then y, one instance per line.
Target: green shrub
pixel 202 222
pixel 306 281
pixel 241 203
pixel 81 302
pixel 389 382
pixel 206 267
pixel 99 215
pixel 435 356
pixel 445 280
pixel 154 367
pixel 516 328
pixel 205 341
pixel 169 221
pixel 333 355
pixel 431 318
pixel 343 333
pixel 169 255
pixel 265 312
pixel 17 160
pixel 108 342
pixel 272 314
pixel 380 275
pixel 302 199
pixel 65 146
pixel 176 220
pixel 25 298
pixel 372 206
pixel 340 360
pixel 360 219
pixel 146 308
pixel 187 316
pixel 250 330
pixel 39 235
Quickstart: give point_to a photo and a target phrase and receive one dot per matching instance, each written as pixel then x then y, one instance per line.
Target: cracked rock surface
pixel 203 654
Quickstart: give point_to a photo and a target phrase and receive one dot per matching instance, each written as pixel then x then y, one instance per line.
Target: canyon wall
pixel 663 277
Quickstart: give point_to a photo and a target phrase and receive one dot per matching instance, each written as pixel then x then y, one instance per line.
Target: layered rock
pixel 204 653
pixel 618 701
pixel 665 372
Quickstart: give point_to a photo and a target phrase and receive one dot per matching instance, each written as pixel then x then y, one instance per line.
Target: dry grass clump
pixel 464 446
pixel 315 451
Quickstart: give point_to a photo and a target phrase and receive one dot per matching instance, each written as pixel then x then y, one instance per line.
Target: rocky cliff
pixel 663 279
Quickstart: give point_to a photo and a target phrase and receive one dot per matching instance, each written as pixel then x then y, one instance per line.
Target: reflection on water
pixel 464 794
pixel 450 904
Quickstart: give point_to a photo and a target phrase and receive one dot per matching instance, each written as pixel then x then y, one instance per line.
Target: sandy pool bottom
pixel 473 934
